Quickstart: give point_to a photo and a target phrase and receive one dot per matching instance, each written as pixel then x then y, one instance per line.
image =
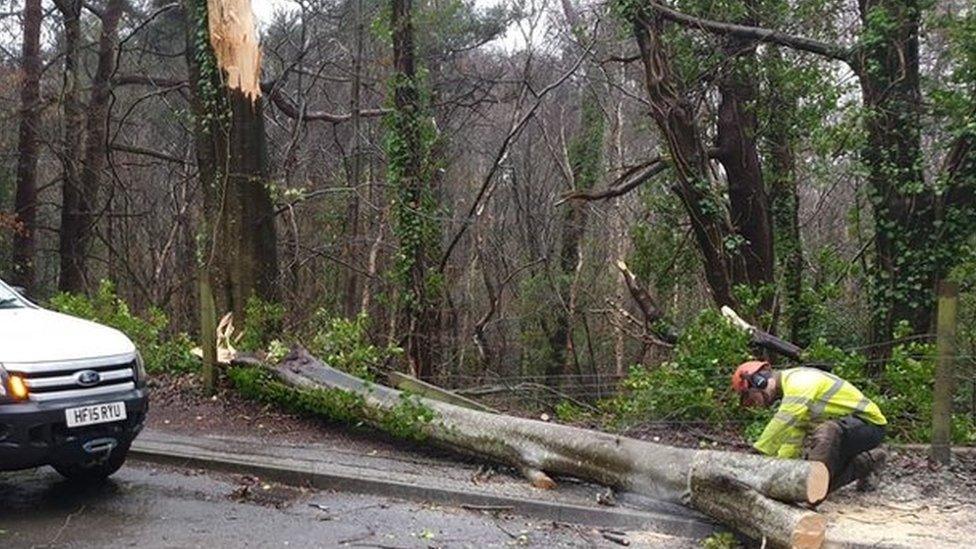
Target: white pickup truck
pixel 72 392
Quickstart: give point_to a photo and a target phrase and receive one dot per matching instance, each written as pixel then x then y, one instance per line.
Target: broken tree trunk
pixel 540 449
pixel 238 243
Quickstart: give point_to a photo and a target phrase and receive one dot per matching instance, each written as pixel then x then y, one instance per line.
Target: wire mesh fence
pixel 902 385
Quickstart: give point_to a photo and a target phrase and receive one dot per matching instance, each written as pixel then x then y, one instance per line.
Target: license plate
pixel 95 414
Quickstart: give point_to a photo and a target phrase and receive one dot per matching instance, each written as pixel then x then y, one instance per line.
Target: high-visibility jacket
pixel 810 397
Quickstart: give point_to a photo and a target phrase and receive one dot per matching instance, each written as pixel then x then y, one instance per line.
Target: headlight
pixel 12 387
pixel 140 371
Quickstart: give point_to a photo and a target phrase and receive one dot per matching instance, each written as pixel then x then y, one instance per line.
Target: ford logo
pixel 87 378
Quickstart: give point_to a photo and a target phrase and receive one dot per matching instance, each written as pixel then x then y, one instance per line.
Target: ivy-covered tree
pixel 913 247
pixel 734 234
pixel 409 142
pixel 585 159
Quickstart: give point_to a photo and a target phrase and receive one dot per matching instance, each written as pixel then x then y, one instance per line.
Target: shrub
pixel 344 344
pixel 161 353
pixel 694 385
pixel 568 412
pixel 902 389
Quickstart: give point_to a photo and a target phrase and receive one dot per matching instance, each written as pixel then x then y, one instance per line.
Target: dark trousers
pixel 837 443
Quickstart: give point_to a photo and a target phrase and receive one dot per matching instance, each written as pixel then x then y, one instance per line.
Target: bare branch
pixel 630 180
pixel 513 134
pixel 289 109
pixel 652 313
pixel 621 59
pixel 758 34
pixel 146 152
pixel 144 80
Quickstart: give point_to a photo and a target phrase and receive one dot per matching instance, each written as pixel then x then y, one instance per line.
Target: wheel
pixel 94 472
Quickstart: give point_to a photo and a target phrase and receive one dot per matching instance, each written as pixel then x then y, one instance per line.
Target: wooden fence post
pixel 944 372
pixel 208 331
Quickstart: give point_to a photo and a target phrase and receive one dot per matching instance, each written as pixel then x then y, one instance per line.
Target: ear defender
pixel 759 380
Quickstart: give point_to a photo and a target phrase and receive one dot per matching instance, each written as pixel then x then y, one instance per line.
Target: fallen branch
pixel 763 339
pixel 652 313
pixel 488 508
pixel 521 388
pixel 801 43
pixel 293 111
pixel 616 538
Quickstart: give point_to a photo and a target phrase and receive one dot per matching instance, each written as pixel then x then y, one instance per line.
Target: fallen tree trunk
pixel 539 449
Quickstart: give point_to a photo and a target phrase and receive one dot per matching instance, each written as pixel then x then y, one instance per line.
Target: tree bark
pixel 96 129
pixel 353 245
pixel 24 270
pixel 240 243
pixel 540 449
pixel 652 315
pixel 737 133
pixel 73 275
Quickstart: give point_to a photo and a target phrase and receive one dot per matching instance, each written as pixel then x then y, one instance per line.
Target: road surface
pixel 145 506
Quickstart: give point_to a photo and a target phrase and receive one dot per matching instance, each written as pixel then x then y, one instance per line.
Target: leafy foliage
pixel 903 390
pixel 408 419
pixel 694 385
pixel 344 344
pixel 335 404
pixel 720 540
pixel 663 255
pixel 262 324
pixel 568 412
pixel 161 352
pixel 537 310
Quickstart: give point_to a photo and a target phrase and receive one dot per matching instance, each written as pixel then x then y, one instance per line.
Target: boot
pixel 868 467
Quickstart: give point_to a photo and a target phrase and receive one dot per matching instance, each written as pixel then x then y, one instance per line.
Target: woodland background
pixel 446 188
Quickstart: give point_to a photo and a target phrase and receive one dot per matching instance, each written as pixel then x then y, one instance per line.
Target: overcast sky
pixel 264 10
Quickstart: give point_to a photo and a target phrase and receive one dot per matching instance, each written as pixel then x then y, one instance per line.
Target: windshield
pixel 8 298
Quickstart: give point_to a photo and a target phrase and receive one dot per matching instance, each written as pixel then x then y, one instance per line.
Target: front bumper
pixel 35 433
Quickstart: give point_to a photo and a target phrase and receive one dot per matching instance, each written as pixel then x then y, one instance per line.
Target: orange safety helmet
pixel 742 374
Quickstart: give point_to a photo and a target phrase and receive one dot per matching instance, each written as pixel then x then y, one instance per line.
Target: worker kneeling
pixel 846 426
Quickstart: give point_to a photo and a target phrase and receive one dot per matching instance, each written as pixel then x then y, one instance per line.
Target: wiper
pixel 9 303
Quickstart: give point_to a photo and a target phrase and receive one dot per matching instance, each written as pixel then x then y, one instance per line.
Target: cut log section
pixel 722 497
pixel 540 449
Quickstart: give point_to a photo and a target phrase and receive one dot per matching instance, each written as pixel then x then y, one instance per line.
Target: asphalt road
pixel 145 507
